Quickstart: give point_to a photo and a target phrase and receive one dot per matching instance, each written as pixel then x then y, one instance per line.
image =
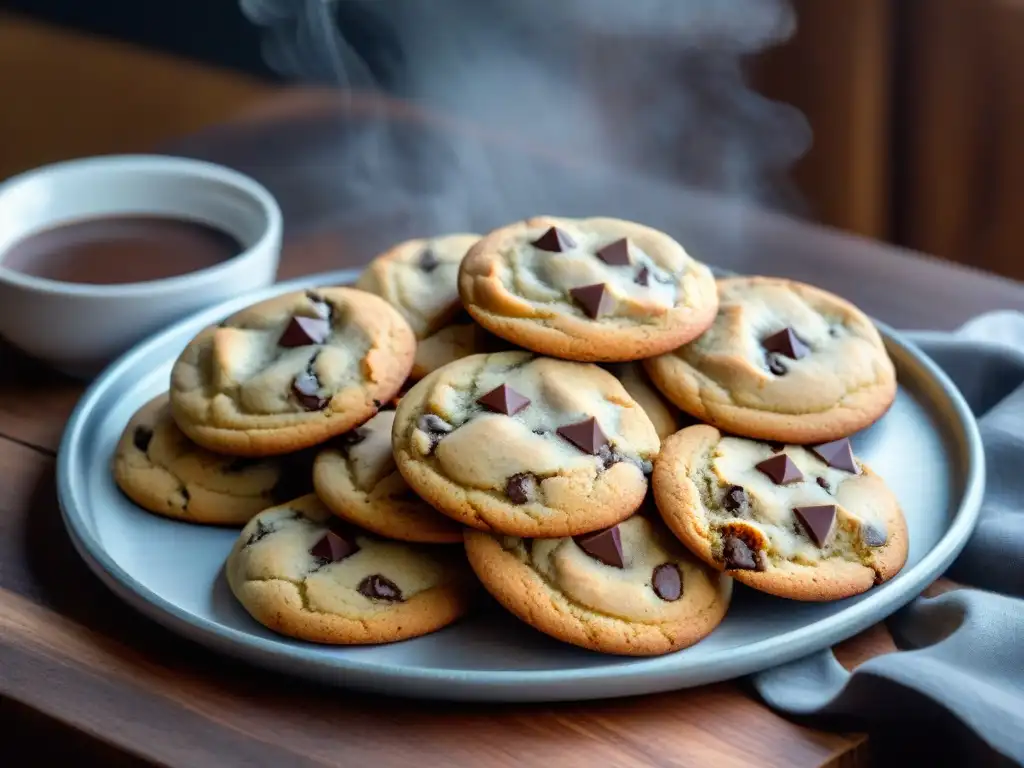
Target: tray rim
pixel 639 677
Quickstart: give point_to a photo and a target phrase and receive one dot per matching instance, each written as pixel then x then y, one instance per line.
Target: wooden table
pixel 83 676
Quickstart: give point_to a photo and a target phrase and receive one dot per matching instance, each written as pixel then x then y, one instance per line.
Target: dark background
pixel 214 31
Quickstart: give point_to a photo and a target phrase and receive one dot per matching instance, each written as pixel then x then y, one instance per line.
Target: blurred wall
pixel 915 104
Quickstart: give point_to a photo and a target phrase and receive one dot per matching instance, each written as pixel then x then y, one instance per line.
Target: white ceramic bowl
pixel 78 328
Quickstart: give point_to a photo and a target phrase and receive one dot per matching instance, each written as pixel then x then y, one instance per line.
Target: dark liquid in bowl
pixel 121 249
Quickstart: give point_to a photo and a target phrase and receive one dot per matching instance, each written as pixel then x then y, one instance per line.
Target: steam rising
pixel 652 86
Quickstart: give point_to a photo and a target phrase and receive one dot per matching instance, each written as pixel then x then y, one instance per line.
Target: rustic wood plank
pixel 112 674
pixel 837 69
pixel 242 719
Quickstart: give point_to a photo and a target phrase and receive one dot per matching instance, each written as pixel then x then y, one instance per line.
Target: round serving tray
pixel 927 448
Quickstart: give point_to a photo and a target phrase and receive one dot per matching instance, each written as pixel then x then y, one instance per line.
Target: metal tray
pixel 927 448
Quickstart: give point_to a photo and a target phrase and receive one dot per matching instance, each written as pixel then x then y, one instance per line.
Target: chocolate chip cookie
pixel 597 290
pixel 665 417
pixel 783 361
pixel 357 479
pixel 419 279
pixel 807 523
pixel 291 372
pixel 525 445
pixel 453 342
pixel 164 472
pixel 631 589
pixel 301 572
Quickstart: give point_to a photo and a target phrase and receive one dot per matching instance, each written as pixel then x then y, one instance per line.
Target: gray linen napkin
pixel 967 654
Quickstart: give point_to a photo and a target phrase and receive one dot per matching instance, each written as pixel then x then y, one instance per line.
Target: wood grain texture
pixel 837 69
pixel 961 158
pixel 111 674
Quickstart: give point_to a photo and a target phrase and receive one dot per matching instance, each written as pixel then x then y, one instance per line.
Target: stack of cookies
pixel 476 411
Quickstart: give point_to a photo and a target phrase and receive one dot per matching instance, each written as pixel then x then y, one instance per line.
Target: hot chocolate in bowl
pixel 110 250
pixel 96 254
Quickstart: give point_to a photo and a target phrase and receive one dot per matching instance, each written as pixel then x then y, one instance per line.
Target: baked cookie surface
pixel 162 471
pixel 783 361
pixel 291 372
pixel 419 278
pixel 596 290
pixel 357 479
pixel 632 589
pixel 451 343
pixel 525 445
pixel 807 523
pixel 665 417
pixel 300 572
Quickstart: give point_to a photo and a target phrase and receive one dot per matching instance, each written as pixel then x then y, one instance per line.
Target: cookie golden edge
pixel 390 361
pixel 569 337
pixel 686 387
pixel 619 492
pixel 371 510
pixel 374 279
pixel 676 497
pixel 523 592
pixel 145 487
pixel 277 605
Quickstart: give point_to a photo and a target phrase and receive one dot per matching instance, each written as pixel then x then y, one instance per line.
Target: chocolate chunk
pixel 262 531
pixel 738 556
pixel 520 488
pixel 777 447
pixel 504 399
pixel 605 546
pixel 643 277
pixel 303 331
pixel 586 435
pixel 141 438
pixel 430 422
pixel 735 497
pixel 667 582
pixel 610 456
pixel 435 427
pixel 306 390
pixel 872 535
pixel 378 587
pixel 350 438
pixel 186 497
pixel 787 343
pixel 615 254
pixel 333 547
pixel 775 364
pixel 818 521
pixel 781 469
pixel 554 240
pixel 428 260
pixel 821 481
pixel 594 299
pixel 838 454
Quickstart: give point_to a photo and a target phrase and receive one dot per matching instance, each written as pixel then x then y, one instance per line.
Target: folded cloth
pixel 967 656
